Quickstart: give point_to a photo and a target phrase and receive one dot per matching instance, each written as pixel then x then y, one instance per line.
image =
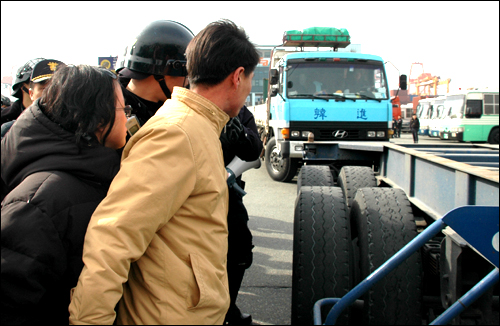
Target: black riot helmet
pixel 23 75
pixel 159 49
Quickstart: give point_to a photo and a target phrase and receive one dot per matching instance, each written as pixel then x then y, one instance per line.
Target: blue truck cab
pixel 323 95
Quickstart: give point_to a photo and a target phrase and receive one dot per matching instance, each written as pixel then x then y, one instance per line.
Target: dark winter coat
pixel 399 123
pixel 414 124
pixel 55 187
pixel 12 112
pixel 249 149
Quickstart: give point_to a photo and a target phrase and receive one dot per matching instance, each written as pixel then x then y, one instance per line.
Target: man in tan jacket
pixel 157 244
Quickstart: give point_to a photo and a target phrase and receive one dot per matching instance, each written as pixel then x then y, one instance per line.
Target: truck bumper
pixel 343 151
pixel 291 149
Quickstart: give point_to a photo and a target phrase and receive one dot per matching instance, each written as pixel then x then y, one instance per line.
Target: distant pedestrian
pixel 415 126
pixel 394 128
pixel 399 125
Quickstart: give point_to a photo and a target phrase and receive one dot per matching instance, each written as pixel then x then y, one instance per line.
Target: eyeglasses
pixel 128 110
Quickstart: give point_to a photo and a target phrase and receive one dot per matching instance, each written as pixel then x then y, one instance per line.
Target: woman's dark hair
pixel 81 99
pixel 218 50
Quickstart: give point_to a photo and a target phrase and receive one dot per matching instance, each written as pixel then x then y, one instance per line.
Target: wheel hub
pixel 276 160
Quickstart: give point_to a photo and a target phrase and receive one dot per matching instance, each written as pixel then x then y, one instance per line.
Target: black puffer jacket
pixel 12 112
pixel 55 187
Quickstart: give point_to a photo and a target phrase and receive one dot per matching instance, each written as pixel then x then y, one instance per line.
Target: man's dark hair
pixel 217 51
pixel 81 99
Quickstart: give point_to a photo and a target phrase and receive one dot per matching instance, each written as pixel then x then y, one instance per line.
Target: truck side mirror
pixel 274 92
pixel 403 82
pixel 274 76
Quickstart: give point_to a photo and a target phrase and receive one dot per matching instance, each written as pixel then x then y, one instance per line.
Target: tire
pixel 315 175
pixel 494 136
pixel 278 168
pixel 351 178
pixel 321 245
pixel 383 223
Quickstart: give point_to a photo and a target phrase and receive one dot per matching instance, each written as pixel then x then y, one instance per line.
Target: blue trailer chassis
pixel 436 179
pixel 481 233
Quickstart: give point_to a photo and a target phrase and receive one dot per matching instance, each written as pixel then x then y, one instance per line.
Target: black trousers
pixel 240 246
pixel 235 273
pixel 415 135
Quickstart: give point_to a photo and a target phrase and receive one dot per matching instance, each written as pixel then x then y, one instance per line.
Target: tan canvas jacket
pixel 157 244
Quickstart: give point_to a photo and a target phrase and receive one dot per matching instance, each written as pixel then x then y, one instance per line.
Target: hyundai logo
pixel 340 134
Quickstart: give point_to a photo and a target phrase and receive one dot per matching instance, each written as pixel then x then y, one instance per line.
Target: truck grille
pixel 328 134
pixel 326 130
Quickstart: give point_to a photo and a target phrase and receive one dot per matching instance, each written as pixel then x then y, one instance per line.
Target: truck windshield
pixel 328 78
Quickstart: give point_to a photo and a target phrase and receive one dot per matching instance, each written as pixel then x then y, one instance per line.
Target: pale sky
pixel 457 40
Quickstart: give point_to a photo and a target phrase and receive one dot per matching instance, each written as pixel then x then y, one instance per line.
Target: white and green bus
pixel 473 117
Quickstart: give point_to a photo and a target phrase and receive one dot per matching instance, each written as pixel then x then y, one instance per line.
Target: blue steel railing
pixel 485 219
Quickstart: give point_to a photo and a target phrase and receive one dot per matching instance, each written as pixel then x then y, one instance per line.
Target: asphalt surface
pixel 267 285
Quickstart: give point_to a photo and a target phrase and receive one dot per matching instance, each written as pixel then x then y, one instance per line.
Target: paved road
pixel 266 289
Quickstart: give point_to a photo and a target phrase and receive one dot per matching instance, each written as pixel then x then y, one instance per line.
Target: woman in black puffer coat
pixel 58 160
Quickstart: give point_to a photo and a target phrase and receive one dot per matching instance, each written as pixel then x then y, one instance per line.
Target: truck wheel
pixel 352 178
pixel 493 138
pixel 279 168
pixel 321 244
pixel 383 223
pixel 314 175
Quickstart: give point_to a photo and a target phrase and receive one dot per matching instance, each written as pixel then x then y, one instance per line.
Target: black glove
pixel 233 131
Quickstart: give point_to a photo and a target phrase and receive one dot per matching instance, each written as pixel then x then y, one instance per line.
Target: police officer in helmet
pixel 153 65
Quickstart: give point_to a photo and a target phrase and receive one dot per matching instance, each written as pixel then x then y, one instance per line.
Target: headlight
pixel 460 129
pixel 295 133
pixel 305 134
pixel 371 133
pixel 380 133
